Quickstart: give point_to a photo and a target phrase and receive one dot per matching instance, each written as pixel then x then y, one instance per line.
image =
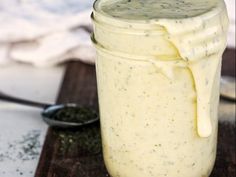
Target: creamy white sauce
pixel 196 39
pixel 158 72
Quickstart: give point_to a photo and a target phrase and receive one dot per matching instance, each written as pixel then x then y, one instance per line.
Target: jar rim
pixel 157 30
pixel 143 58
pixel 105 18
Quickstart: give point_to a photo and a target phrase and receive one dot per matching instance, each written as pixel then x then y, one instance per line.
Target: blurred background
pixel 37 38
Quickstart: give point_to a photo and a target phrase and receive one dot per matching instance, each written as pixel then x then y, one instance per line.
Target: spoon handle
pixel 12 99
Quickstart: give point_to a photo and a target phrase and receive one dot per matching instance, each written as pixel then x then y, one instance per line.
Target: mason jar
pixel 158 69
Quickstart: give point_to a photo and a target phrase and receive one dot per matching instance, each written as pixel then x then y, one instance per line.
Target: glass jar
pixel 158 88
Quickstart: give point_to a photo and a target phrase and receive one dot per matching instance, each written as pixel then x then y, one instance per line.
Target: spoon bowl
pixel 50 111
pixel 83 116
pixel 228 88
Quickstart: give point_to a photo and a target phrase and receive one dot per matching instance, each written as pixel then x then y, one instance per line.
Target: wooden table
pixel 66 155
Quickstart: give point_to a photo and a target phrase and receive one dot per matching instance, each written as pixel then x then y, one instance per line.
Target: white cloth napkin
pixel 231 11
pixel 45 32
pixel 48 32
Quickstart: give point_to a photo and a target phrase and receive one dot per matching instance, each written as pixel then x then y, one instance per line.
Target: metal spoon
pixel 49 110
pixel 227 90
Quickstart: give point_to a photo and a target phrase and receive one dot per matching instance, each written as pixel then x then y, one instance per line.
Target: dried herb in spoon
pixel 74 114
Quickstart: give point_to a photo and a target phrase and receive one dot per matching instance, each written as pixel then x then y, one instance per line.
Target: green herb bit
pixel 74 115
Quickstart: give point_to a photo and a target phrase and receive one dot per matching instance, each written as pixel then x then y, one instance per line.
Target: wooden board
pixel 65 154
pixel 62 154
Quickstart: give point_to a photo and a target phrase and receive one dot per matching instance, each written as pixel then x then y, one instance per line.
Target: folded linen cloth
pixel 231 11
pixel 55 48
pixel 45 32
pixel 48 32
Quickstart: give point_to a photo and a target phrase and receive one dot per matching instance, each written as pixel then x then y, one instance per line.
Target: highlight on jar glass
pixel 158 71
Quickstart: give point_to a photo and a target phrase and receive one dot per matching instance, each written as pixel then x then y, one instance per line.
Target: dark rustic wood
pixel 226 158
pixel 229 63
pixel 79 86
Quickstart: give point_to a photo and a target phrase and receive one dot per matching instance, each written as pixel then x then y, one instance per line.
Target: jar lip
pixel 157 30
pixel 143 58
pixel 105 18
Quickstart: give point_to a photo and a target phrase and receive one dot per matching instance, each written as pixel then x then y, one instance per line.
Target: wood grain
pixel 79 86
pixel 229 63
pixel 226 158
pixel 76 160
